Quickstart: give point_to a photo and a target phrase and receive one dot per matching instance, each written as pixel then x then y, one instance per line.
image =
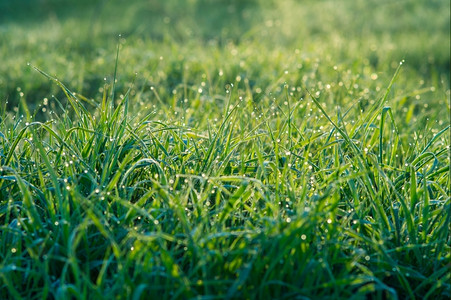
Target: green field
pixel 213 149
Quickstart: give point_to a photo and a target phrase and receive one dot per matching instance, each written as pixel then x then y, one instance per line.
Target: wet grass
pixel 226 150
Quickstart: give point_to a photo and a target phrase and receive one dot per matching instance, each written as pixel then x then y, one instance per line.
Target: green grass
pixel 242 149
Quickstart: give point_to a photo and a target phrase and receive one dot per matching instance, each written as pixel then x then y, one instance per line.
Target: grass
pixel 246 150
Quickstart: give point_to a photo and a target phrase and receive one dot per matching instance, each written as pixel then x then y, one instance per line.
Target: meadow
pixel 213 149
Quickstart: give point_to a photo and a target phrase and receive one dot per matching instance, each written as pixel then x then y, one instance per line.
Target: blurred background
pixel 168 43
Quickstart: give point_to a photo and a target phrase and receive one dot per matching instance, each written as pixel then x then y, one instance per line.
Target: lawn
pixel 213 149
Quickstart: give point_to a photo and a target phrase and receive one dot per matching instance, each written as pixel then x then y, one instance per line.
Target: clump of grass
pixel 274 194
pixel 284 162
